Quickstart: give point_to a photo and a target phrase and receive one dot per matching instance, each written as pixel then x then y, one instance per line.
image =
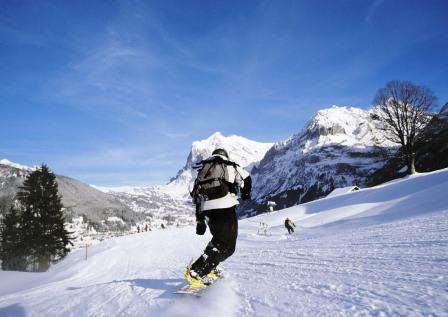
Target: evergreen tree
pixel 10 249
pixel 44 237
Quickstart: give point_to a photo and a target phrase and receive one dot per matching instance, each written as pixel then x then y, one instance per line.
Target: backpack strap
pixel 214 158
pixel 195 193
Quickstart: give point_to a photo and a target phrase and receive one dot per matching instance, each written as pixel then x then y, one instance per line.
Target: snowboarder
pixel 289 225
pixel 215 195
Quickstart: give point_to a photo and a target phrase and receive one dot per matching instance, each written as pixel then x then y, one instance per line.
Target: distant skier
pixel 215 195
pixel 263 228
pixel 289 225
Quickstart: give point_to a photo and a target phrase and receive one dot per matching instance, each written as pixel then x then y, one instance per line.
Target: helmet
pixel 220 152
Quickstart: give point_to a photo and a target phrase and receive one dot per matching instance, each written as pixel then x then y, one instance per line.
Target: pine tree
pixel 42 230
pixel 10 250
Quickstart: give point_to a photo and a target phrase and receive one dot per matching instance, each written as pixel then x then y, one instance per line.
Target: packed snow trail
pixel 377 252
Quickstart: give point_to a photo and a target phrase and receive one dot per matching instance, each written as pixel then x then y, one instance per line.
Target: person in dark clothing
pixel 223 225
pixel 289 225
pixel 218 211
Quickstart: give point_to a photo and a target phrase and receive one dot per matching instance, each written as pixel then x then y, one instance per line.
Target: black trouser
pixel 223 225
pixel 290 229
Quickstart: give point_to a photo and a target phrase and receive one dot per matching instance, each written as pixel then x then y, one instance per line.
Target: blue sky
pixel 114 92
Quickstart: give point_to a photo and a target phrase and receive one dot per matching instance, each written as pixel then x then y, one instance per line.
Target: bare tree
pixel 403 109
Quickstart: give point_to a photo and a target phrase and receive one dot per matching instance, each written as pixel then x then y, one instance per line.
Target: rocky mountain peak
pixel 243 151
pixel 336 125
pixel 338 147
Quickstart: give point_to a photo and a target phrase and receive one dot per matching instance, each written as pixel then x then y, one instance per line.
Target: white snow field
pixel 381 251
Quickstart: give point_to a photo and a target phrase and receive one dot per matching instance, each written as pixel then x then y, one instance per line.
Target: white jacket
pixel 237 175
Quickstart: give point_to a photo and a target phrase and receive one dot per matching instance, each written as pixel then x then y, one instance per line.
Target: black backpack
pixel 212 181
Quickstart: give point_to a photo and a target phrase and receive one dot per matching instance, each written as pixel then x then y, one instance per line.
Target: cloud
pixel 112 77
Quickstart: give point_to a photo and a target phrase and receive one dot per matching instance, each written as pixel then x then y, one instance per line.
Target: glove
pixel 200 227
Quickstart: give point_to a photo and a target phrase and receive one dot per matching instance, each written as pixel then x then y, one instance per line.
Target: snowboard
pixel 194 288
pixel 197 291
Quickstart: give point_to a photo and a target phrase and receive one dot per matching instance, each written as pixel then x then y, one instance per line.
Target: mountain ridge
pixel 339 146
pixel 79 199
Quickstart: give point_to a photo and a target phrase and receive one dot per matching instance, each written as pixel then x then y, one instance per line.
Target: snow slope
pixel 375 252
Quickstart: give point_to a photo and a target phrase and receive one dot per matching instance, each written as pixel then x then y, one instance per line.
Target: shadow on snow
pixel 169 286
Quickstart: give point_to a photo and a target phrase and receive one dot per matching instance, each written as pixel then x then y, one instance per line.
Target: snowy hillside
pixel 340 146
pixel 78 198
pixel 380 251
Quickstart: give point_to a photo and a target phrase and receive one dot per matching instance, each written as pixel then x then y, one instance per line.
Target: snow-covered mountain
pixel 15 165
pixel 340 146
pixel 243 151
pixel 170 204
pixel 379 251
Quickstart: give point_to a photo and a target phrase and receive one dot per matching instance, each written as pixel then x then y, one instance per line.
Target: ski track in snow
pixel 337 263
pixel 395 269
